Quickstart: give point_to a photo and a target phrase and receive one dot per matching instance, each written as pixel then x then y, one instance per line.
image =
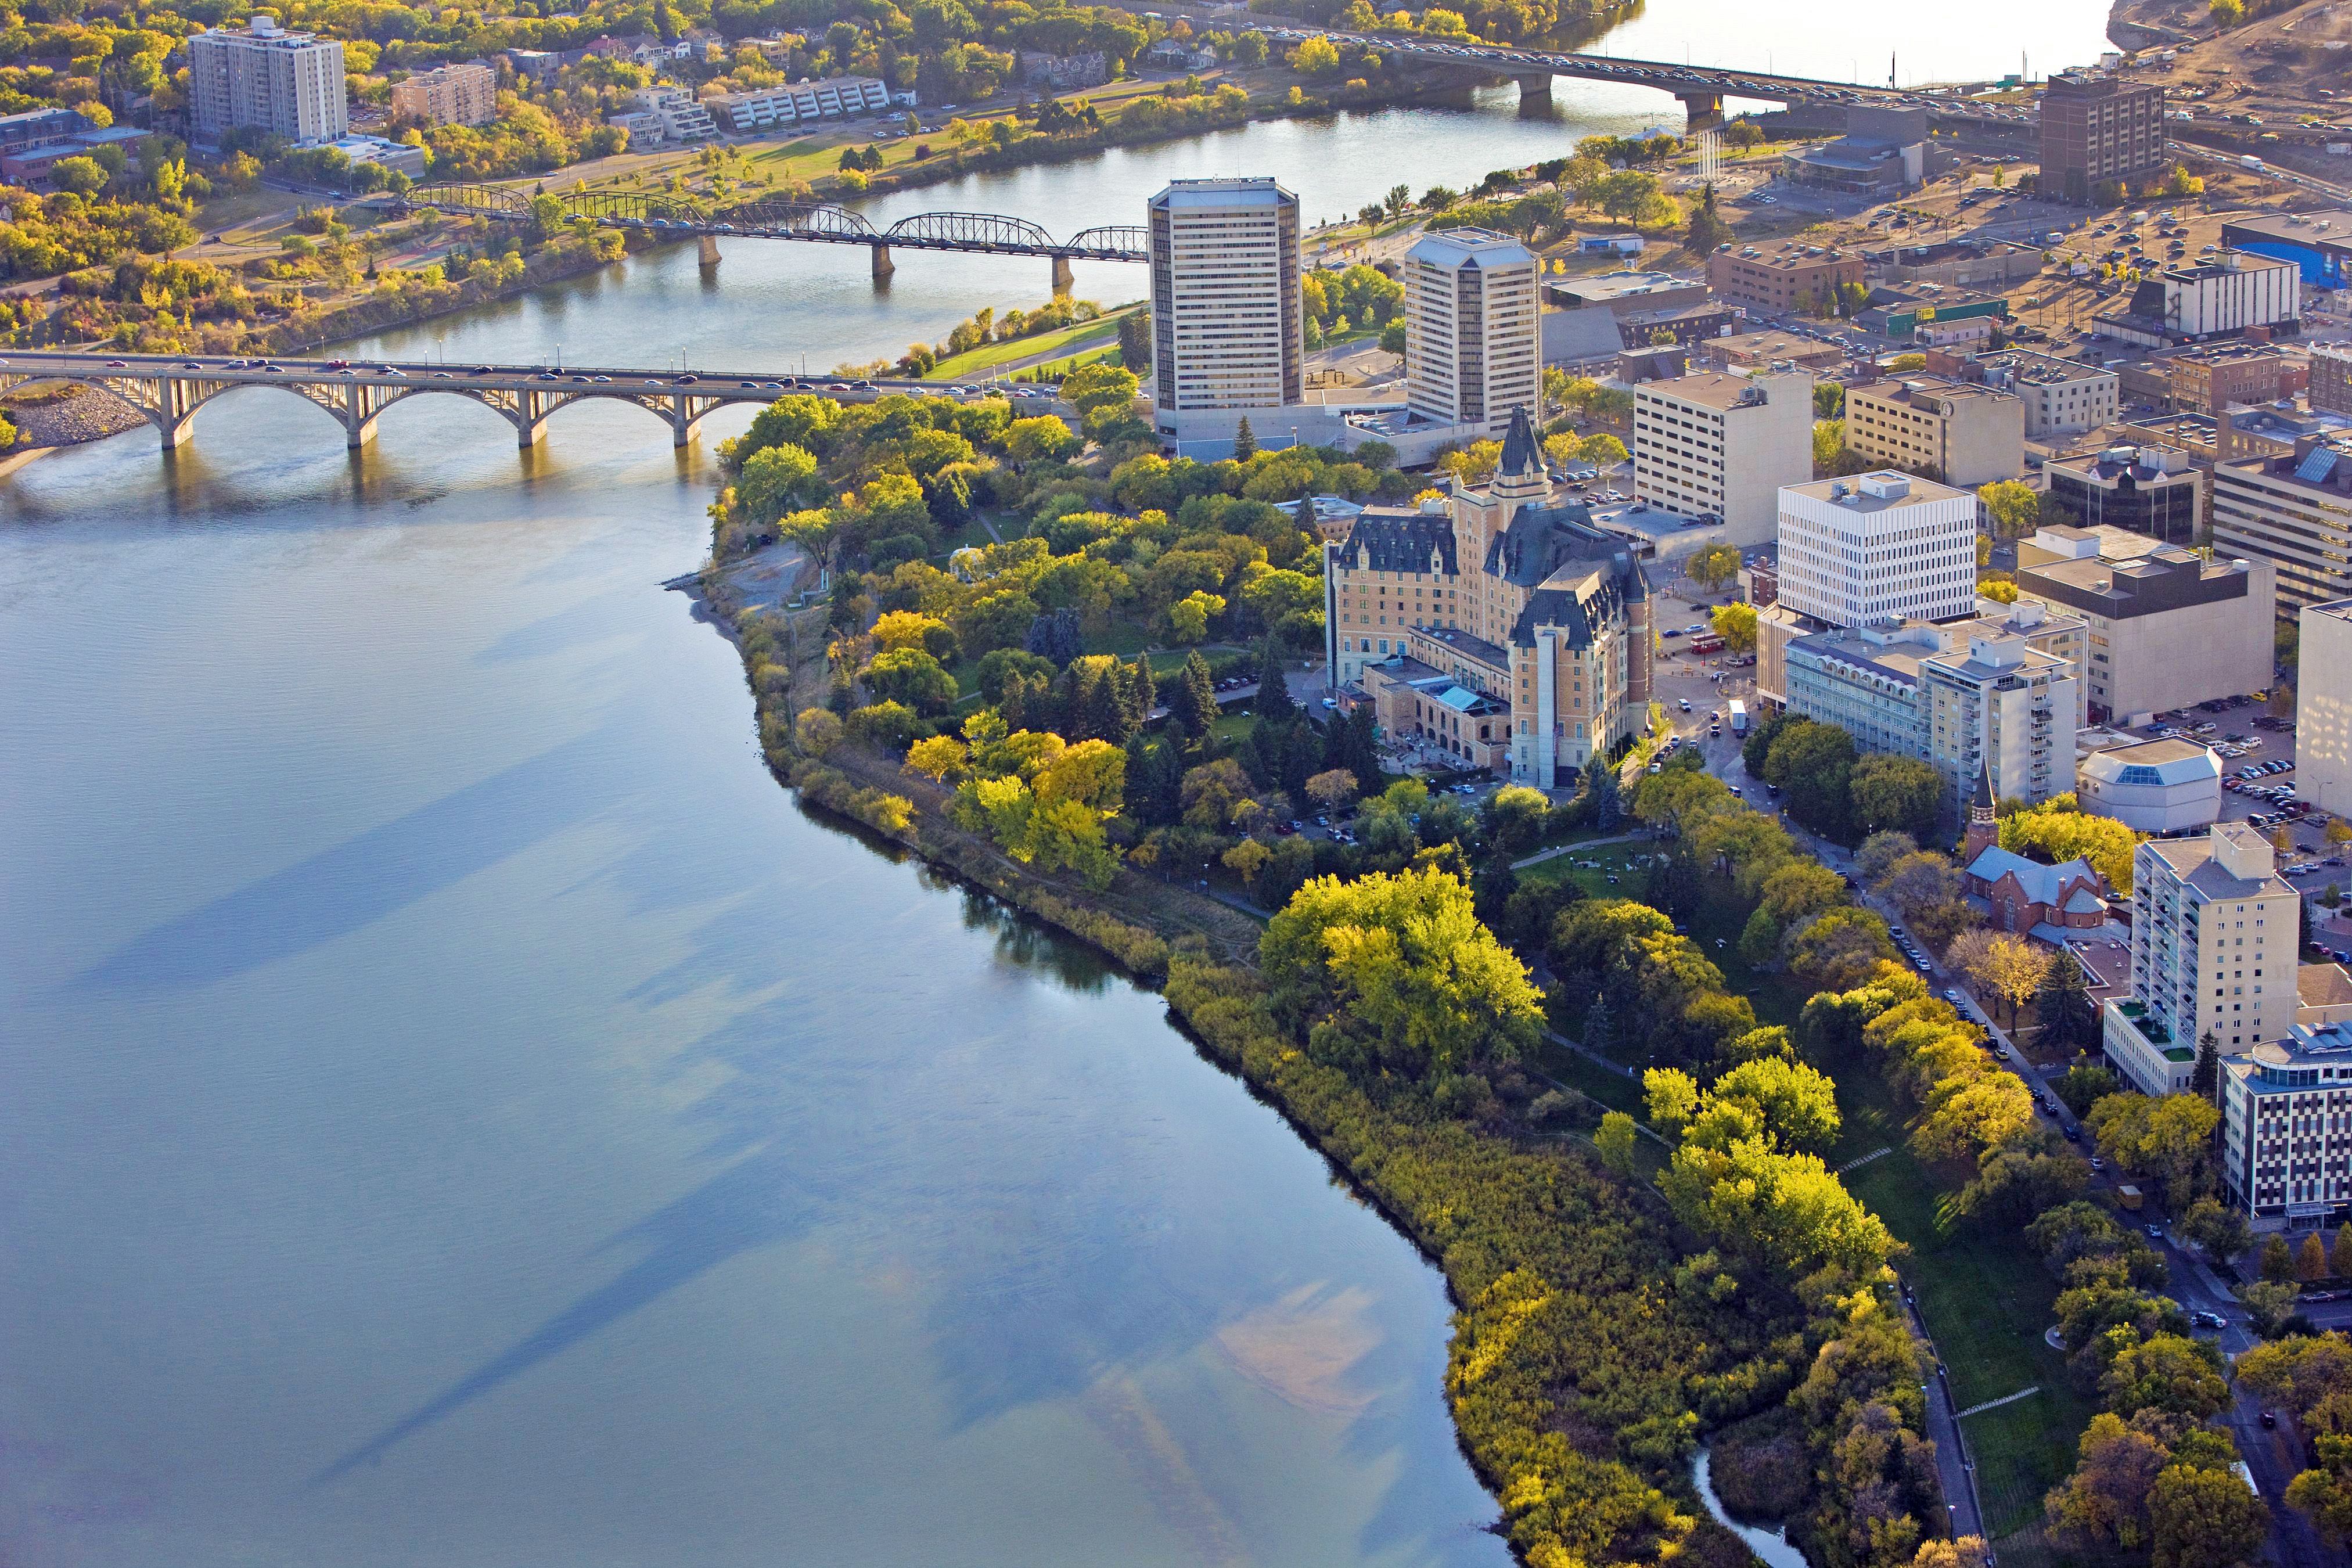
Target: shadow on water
pixel 358 882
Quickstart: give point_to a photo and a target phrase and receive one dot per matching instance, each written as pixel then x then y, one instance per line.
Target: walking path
pixel 2025 1393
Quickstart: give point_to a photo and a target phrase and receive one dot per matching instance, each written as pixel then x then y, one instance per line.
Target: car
pixel 2155 1232
pixel 1687 706
pixel 2073 1132
pixel 2269 1417
pixel 2209 1320
pixel 117 365
pixel 2097 1164
pixel 1951 996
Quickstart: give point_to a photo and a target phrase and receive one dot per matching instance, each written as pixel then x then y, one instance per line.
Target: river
pixel 457 1110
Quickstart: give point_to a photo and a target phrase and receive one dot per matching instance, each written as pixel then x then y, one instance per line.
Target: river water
pixel 455 1108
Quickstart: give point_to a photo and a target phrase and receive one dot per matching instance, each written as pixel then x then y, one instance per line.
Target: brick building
pixel 2096 128
pixel 1789 275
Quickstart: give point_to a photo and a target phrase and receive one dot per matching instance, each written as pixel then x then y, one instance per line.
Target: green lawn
pixel 979 360
pixel 2022 1451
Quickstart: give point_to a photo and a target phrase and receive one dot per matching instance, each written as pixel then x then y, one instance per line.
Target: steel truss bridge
pixel 168 390
pixel 1702 88
pixel 986 234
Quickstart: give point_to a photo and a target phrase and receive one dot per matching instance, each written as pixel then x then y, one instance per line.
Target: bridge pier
pixel 175 413
pixel 683 419
pixel 358 407
pixel 883 265
pixel 530 416
pixel 1063 282
pixel 1535 89
pixel 1702 110
pixel 708 251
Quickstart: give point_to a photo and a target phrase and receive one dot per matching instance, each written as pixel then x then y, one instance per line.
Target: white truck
pixel 1739 717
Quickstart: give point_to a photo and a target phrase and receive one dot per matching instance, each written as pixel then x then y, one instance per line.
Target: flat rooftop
pixel 1849 494
pixel 1708 388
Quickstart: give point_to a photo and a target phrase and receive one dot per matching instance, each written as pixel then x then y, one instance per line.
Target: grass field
pixel 979 360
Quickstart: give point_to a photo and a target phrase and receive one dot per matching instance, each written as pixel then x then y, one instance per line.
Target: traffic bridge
pixel 169 389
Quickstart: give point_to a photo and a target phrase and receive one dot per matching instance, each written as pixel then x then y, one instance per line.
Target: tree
pixel 1713 567
pixel 2277 1261
pixel 1736 624
pixel 1707 228
pixel 1273 698
pixel 2206 1081
pixel 1194 702
pixel 2202 1517
pixel 2070 1019
pixel 2104 1501
pixel 2059 830
pixel 2168 1372
pixel 1314 58
pixel 1812 765
pixel 1042 437
pixel 2219 1230
pixel 1614 1142
pixel 913 677
pixel 1135 339
pixel 82 176
pixel 2015 508
pixel 1891 792
pixel 1245 441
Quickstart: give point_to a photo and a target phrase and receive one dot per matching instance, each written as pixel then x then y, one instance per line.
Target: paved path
pixel 1954 1466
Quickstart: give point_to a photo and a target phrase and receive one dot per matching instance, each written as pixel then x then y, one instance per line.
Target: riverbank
pixel 1552 1265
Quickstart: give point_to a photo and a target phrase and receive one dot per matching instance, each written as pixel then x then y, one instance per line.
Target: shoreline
pixel 1212 1001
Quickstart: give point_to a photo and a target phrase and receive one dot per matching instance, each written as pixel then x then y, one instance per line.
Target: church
pixel 1497 625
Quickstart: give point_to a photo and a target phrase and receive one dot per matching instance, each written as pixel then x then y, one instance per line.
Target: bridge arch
pixel 1128 237
pixel 972 231
pixel 799 217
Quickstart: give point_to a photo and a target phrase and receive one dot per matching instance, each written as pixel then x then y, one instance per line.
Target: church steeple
pixel 1984 819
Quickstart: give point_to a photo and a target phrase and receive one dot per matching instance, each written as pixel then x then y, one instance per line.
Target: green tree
pixel 1890 792
pixel 1615 1142
pixel 1707 228
pixel 1273 697
pixel 2069 1018
pixel 82 176
pixel 1813 765
pixel 778 479
pixel 2204 1518
pixel 2015 508
pixel 914 678
pixel 1245 441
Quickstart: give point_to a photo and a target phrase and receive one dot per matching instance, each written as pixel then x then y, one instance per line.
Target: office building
pixel 2098 130
pixel 2322 705
pixel 2286 1161
pixel 1226 329
pixel 2295 512
pixel 2167 628
pixel 2209 379
pixel 1996 706
pixel 1961 432
pixel 2214 948
pixel 1789 275
pixel 1884 151
pixel 2153 786
pixel 1721 445
pixel 2147 489
pixel 2062 396
pixel 2276 430
pixel 2331 377
pixel 465 94
pixel 1752 352
pixel 266 79
pixel 1473 335
pixel 2222 297
pixel 1877 547
pixel 1499 627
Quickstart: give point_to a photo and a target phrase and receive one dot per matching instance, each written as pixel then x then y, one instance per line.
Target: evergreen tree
pixel 1056 635
pixel 1244 442
pixel 1143 689
pixel 1601 783
pixel 1600 1027
pixel 2069 1017
pixel 2207 1078
pixel 1362 752
pixel 1135 340
pixel 1193 704
pixel 1301 754
pixel 1103 716
pixel 1273 690
pixel 1250 751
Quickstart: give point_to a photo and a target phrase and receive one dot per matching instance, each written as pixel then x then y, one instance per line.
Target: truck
pixel 1739 717
pixel 2127 1195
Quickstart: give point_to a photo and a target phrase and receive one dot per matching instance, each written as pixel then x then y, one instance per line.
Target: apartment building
pixel 835 97
pixel 2062 396
pixel 1782 278
pixel 677 112
pixel 266 79
pixel 2331 377
pixel 1226 329
pixel 2286 1129
pixel 2167 628
pixel 2214 948
pixel 1963 433
pixel 2095 129
pixel 2209 379
pixel 1473 330
pixel 1877 547
pixel 2322 705
pixel 1864 680
pixel 466 94
pixel 2153 491
pixel 1721 444
pixel 2295 512
pixel 1499 627
pixel 1996 706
